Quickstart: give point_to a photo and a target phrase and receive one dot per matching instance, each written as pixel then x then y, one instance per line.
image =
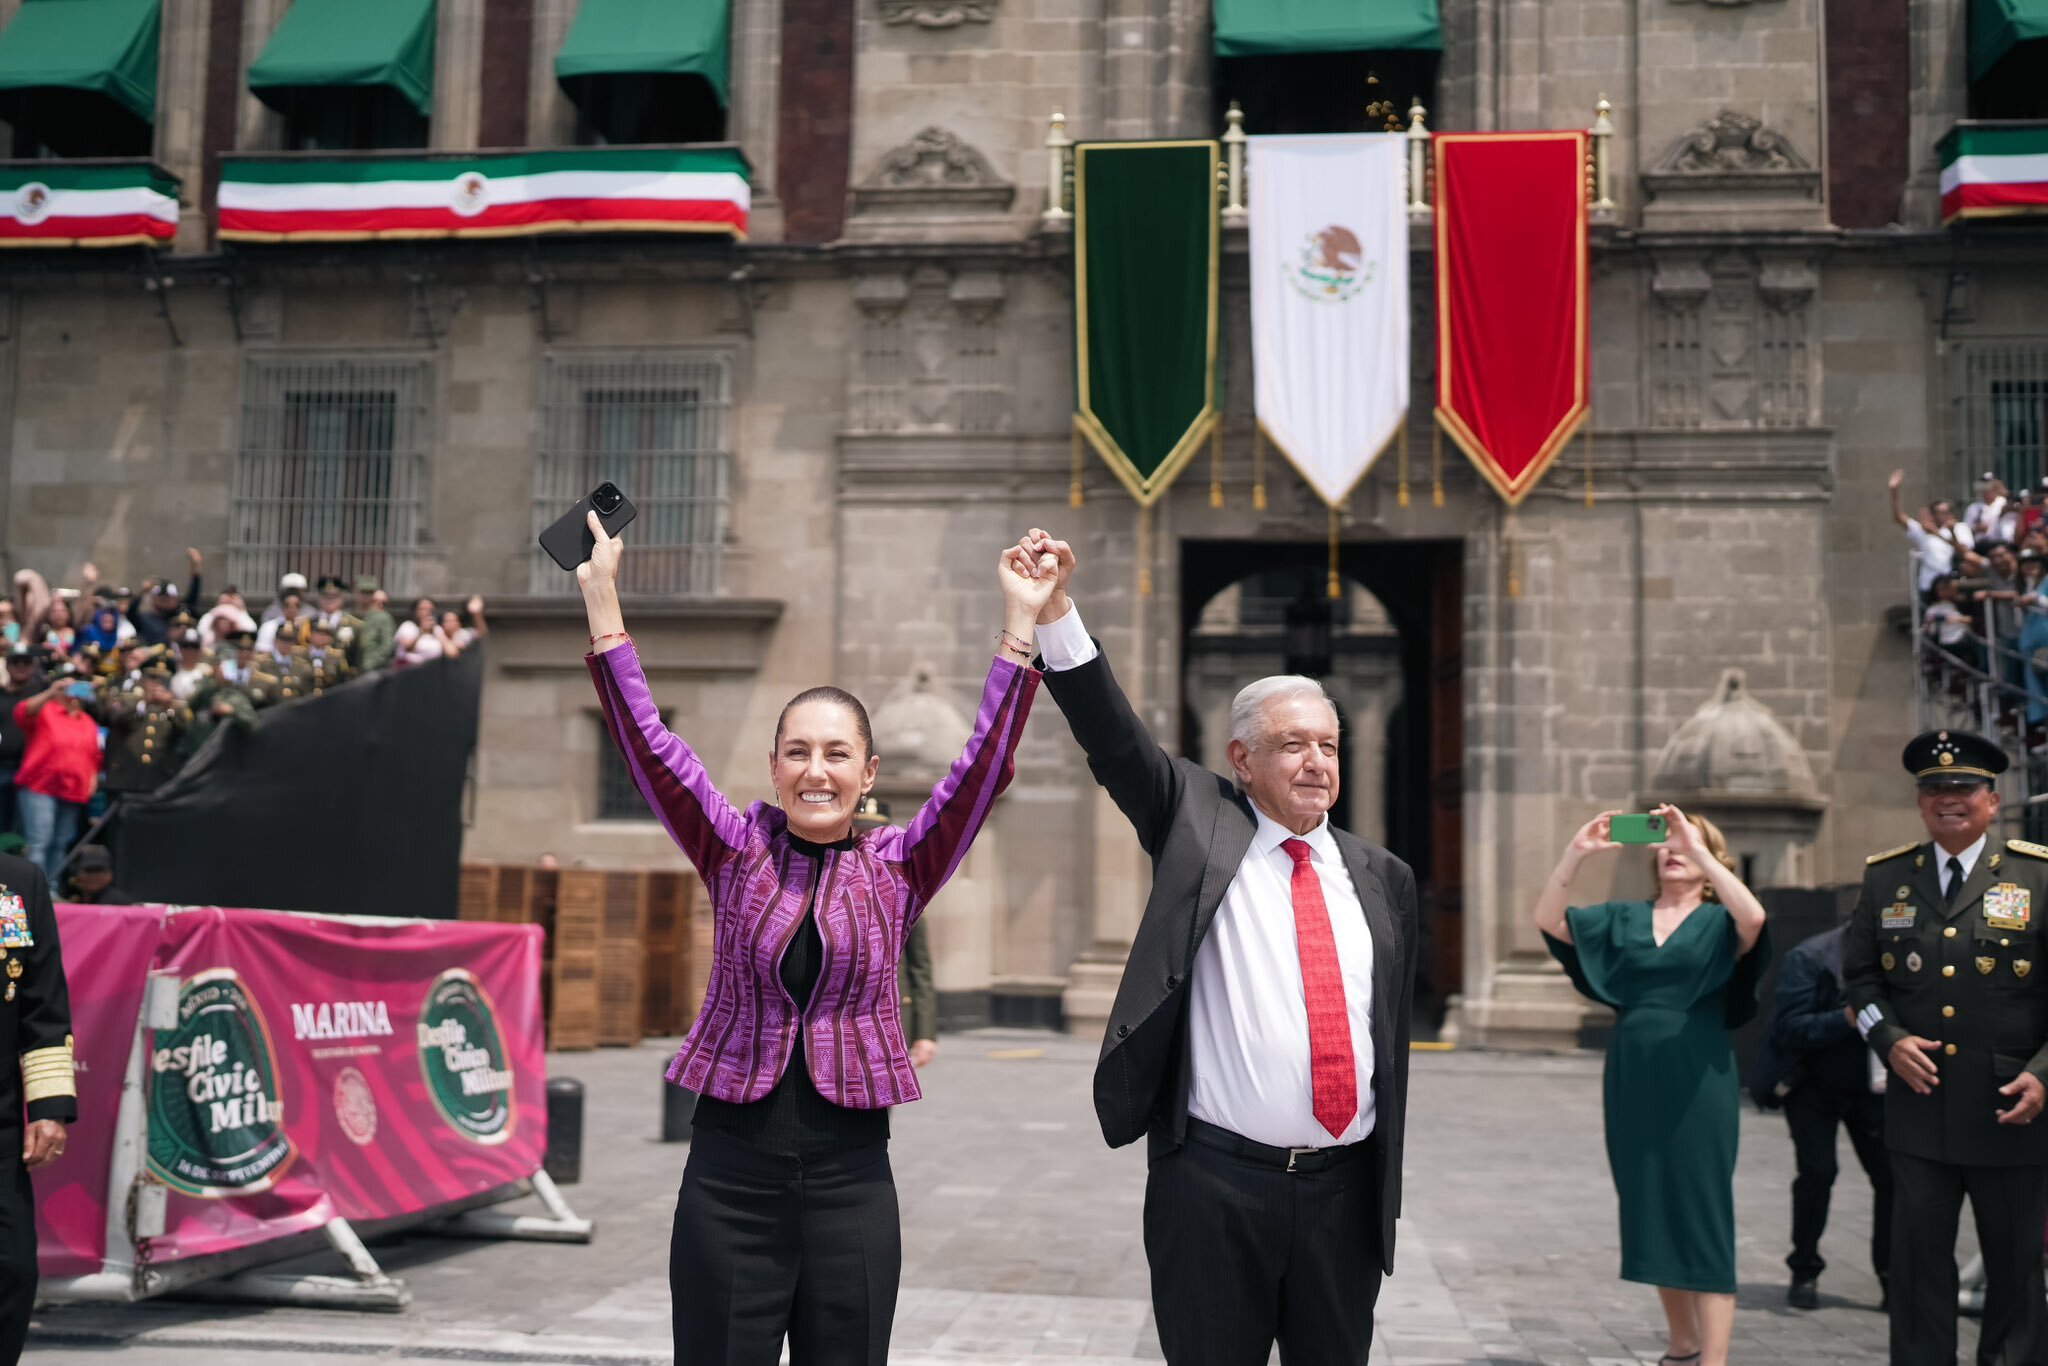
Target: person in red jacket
pixel 59 770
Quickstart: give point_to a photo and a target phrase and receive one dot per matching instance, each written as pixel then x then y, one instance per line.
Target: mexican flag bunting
pixel 1147 242
pixel 109 204
pixel 1513 366
pixel 1329 285
pixel 589 189
pixel 1994 170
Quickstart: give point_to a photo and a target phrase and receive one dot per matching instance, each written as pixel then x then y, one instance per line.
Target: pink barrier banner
pixel 107 951
pixel 370 1069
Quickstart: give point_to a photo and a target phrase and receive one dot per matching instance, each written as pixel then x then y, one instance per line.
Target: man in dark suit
pixel 1259 1039
pixel 1829 1087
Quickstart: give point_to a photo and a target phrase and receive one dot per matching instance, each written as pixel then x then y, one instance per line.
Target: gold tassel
pixel 1436 463
pixel 1508 549
pixel 1336 585
pixel 1404 463
pixel 1589 460
pixel 1145 550
pixel 1216 466
pixel 1258 468
pixel 1074 498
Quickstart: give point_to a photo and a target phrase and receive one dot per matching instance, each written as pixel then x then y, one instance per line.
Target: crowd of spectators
pixel 109 691
pixel 1980 607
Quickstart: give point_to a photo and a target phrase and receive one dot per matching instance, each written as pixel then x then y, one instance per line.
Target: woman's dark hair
pixel 830 694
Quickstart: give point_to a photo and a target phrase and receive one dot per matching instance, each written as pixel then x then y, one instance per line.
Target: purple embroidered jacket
pixel 869 898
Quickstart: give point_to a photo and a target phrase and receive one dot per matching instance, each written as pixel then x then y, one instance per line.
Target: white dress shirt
pixel 1968 858
pixel 1248 1039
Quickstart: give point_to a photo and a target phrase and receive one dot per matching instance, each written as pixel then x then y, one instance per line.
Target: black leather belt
pixel 1266 1155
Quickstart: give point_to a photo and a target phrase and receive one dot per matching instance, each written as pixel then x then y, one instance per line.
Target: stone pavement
pixel 1021 1239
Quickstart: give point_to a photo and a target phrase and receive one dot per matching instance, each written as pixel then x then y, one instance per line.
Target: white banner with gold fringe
pixel 1329 277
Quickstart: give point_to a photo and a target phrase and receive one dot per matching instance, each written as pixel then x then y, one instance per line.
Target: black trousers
pixel 1813 1116
pixel 2011 1207
pixel 1244 1255
pixel 768 1246
pixel 17 1248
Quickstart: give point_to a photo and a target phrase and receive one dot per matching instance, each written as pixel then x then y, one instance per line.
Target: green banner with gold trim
pixel 1147 240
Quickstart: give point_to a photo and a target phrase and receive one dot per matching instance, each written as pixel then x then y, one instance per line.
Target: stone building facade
pixel 878 395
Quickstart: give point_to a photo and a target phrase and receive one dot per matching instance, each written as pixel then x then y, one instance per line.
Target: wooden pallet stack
pixel 627 953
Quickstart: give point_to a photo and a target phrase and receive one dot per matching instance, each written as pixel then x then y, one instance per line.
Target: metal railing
pixel 654 423
pixel 1232 185
pixel 1989 684
pixel 1998 410
pixel 330 474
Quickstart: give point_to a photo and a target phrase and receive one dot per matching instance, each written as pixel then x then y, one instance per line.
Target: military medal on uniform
pixel 14 932
pixel 2006 907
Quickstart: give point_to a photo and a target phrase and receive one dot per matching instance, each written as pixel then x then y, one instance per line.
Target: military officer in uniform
pixel 321 662
pixel 38 1095
pixel 1941 964
pixel 239 666
pixel 142 730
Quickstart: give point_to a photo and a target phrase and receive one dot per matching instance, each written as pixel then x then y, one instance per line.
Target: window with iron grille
pixel 1998 409
pixel 618 798
pixel 331 474
pixel 653 423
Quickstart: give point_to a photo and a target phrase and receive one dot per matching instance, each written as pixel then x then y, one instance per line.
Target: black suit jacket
pixel 1197 827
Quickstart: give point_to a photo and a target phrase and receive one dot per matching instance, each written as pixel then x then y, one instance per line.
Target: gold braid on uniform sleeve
pixel 48 1072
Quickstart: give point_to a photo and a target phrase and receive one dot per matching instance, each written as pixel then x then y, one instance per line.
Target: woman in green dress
pixel 1680 972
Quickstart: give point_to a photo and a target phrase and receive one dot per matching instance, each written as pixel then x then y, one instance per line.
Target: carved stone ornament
pixel 1732 170
pixel 933 173
pixel 1731 143
pixel 938 13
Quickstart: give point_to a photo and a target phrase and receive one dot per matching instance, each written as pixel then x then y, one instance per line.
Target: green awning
pixel 649 38
pixel 1997 25
pixel 1265 28
pixel 102 47
pixel 345 43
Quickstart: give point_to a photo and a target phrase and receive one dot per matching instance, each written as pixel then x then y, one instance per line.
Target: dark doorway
pixel 1279 618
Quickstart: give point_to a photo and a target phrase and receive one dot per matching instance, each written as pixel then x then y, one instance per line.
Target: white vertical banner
pixel 1329 274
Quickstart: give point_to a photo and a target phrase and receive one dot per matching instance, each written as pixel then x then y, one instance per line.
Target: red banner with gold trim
pixel 1513 363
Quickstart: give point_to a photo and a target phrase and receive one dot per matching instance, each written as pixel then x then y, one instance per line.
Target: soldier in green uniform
pixel 321 662
pixel 377 641
pixel 240 666
pixel 38 1094
pixel 143 729
pixel 1940 963
pixel 344 627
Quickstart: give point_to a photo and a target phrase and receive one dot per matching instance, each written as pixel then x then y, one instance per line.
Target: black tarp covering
pixel 349 803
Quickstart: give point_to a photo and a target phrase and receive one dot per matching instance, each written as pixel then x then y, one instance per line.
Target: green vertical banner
pixel 1147 242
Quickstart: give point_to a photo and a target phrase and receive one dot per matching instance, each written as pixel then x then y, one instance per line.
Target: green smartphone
pixel 1636 829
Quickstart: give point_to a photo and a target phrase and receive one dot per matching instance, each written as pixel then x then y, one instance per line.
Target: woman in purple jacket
pixel 786 1224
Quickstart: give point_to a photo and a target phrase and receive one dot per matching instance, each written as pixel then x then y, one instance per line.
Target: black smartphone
pixel 569 542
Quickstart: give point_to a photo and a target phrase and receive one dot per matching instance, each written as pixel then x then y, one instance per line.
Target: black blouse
pixel 794 1120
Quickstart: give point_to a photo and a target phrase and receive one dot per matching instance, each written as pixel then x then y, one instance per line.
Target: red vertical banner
pixel 1514 366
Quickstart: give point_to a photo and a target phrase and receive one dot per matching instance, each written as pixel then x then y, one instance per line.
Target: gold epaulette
pixel 1909 848
pixel 2028 847
pixel 47 1072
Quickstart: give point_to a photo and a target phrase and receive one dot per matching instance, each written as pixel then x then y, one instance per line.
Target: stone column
pixel 458 74
pixel 550 118
pixel 181 112
pixel 258 127
pixel 1118 875
pixel 756 96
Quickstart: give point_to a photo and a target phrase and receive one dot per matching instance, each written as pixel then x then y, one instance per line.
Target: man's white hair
pixel 1248 710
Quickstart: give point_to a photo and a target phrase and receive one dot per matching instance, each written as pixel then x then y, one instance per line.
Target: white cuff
pixel 1065 643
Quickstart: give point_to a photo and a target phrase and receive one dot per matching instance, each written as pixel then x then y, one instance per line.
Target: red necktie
pixel 1333 1069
